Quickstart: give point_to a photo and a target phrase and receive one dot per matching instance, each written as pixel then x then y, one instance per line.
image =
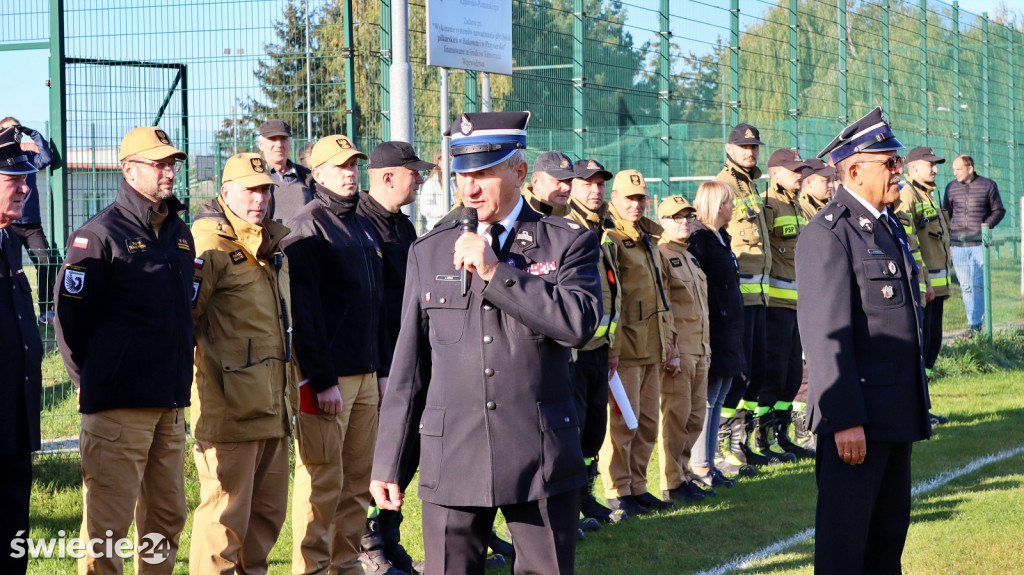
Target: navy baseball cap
pixel 484 139
pixel 555 164
pixel 588 168
pixel 745 135
pixel 820 168
pixel 868 134
pixel 392 154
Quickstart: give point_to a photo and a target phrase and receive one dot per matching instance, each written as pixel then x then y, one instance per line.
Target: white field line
pixel 929 485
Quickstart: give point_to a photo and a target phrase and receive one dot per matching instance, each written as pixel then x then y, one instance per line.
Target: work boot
pixel 802 434
pixel 726 459
pixel 937 419
pixel 783 422
pixel 751 452
pixel 391 532
pixel 590 507
pixel 627 505
pixel 687 491
pixel 371 551
pixel 651 502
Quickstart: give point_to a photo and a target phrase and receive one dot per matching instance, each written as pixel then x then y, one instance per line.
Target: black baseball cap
pixel 787 158
pixel 395 154
pixel 820 168
pixel 555 164
pixel 745 135
pixel 586 169
pixel 273 128
pixel 924 153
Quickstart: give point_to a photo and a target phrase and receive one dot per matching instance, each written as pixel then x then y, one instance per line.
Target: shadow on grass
pixel 56 471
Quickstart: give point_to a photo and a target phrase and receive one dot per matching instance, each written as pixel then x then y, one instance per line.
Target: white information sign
pixel 470 35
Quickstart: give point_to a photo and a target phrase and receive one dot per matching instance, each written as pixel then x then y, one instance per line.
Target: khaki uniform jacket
pixel 645 323
pixel 900 211
pixel 932 225
pixel 542 207
pixel 785 219
pixel 809 207
pixel 749 232
pixel 688 289
pixel 611 295
pixel 244 385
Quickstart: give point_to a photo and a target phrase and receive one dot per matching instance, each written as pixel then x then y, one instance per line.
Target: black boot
pixel 783 424
pixel 589 506
pixel 765 438
pixel 371 551
pixel 390 530
pixel 745 419
pixel 730 458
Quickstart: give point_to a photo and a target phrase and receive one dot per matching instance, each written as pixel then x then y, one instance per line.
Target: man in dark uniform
pixel 123 305
pixel 21 355
pixel 395 179
pixel 868 398
pixel 550 184
pixel 483 378
pixel 293 183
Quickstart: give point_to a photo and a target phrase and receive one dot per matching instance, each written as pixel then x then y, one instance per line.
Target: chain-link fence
pixel 647 84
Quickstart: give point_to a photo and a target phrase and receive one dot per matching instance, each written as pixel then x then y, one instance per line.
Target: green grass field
pixel 970 525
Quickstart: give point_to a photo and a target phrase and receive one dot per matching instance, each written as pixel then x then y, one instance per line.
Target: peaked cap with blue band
pixel 13 161
pixel 869 134
pixel 484 139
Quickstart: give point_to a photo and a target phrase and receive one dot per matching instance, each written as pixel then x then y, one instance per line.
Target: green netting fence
pixel 647 84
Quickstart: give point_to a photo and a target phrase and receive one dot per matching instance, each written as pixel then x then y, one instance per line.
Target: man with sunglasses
pixel 860 321
pixel 123 306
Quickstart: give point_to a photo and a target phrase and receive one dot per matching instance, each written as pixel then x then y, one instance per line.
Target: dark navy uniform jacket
pixel 21 354
pixel 124 307
pixel 483 380
pixel 860 325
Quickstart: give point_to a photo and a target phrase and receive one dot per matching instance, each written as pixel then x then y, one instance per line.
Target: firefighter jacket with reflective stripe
pixel 245 386
pixel 543 207
pixel 932 226
pixel 785 219
pixel 644 330
pixel 688 294
pixel 899 210
pixel 749 232
pixel 611 301
pixel 809 206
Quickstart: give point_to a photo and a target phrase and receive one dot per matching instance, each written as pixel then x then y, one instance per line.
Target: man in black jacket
pixel 123 305
pixel 394 180
pixel 342 346
pixel 970 200
pixel 867 394
pixel 21 355
pixel 293 183
pixel 481 378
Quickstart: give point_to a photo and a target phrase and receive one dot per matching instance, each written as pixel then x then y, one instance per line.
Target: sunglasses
pixel 892 163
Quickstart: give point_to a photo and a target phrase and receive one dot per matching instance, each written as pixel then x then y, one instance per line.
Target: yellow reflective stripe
pixel 602 327
pixel 782 293
pixel 785 220
pixel 612 327
pixel 939 282
pixel 752 288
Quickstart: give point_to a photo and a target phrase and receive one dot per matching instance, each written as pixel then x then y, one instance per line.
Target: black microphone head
pixel 468 219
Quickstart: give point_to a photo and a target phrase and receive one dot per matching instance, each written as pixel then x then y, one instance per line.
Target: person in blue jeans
pixel 29 228
pixel 970 200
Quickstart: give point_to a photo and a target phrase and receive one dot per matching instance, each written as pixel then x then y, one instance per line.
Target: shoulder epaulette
pixel 563 223
pixel 831 213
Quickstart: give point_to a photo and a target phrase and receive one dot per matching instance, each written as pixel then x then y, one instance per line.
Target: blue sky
pixel 29 102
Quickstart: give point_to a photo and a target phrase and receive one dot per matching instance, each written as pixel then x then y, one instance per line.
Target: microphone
pixel 467 225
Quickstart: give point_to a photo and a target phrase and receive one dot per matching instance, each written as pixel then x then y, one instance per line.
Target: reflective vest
pixel 932 225
pixel 749 232
pixel 785 219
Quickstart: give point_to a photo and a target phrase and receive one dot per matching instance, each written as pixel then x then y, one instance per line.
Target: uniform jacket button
pixel 510 282
pixel 488 372
pixel 443 300
pixel 488 307
pixel 488 339
pixel 491 405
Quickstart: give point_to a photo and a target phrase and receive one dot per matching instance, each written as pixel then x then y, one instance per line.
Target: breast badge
pixel 887 292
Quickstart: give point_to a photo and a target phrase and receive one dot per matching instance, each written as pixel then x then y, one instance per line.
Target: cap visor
pixel 420 165
pixel 161 152
pixel 18 169
pixel 886 145
pixel 475 162
pixel 344 156
pixel 274 133
pixel 254 181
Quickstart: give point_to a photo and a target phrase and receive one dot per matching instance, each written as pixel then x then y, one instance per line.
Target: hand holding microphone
pixel 467 224
pixel 473 255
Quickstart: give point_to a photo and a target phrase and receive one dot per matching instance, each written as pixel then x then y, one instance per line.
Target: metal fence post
pixel 578 80
pixel 664 98
pixel 734 63
pixel 794 79
pixel 886 81
pixel 922 80
pixel 350 74
pixel 385 66
pixel 986 268
pixel 58 179
pixel 843 89
pixel 987 147
pixel 471 91
pixel 957 96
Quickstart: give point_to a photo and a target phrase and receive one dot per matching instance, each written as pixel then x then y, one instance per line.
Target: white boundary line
pixel 929 485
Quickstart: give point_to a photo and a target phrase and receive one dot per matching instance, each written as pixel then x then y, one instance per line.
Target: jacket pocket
pixel 561 456
pixel 249 391
pixel 885 286
pixel 446 312
pixel 431 446
pixel 318 438
pixel 99 442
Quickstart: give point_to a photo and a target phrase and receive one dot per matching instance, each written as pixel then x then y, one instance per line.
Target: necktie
pixel 892 224
pixel 495 231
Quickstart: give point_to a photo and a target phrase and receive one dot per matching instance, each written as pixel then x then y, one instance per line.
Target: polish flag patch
pixel 80 242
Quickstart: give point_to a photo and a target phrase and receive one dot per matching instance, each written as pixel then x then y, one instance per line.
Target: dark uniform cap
pixel 788 159
pixel 820 168
pixel 555 164
pixel 588 168
pixel 395 154
pixel 745 135
pixel 868 134
pixel 272 128
pixel 924 153
pixel 483 139
pixel 13 161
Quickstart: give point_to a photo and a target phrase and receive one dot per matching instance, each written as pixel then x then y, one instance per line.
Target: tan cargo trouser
pixel 243 504
pixel 626 453
pixel 133 463
pixel 683 405
pixel 332 480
